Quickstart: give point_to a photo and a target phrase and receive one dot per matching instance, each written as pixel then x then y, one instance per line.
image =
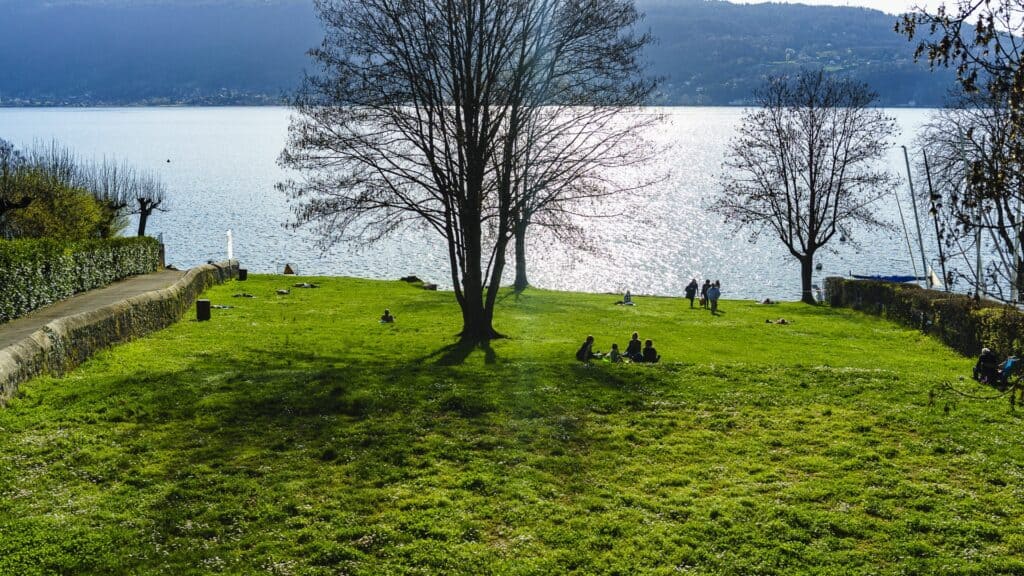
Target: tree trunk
pixel 806 272
pixel 1019 279
pixel 143 216
pixel 476 321
pixel 521 282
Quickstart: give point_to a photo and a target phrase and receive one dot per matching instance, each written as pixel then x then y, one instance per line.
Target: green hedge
pixel 34 273
pixel 961 322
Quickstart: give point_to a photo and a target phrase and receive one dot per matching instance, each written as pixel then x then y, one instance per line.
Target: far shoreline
pixel 100 106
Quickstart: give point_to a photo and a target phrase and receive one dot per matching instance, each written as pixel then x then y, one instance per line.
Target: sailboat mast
pixel 935 218
pixel 979 280
pixel 917 220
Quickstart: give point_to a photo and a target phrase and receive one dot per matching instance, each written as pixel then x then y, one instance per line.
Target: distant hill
pixel 153 52
pixel 715 52
pixel 90 52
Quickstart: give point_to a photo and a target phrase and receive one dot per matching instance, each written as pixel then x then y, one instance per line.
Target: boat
pixel 894 278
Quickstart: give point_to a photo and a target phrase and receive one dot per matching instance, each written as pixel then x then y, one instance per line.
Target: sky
pixel 890 6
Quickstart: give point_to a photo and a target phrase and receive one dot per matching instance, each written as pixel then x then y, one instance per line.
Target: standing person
pixel 714 292
pixel 691 291
pixel 704 293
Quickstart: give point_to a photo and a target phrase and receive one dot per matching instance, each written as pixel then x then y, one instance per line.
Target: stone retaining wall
pixel 67 342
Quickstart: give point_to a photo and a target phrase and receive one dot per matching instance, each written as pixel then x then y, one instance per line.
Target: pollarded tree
pixel 150 196
pixel 805 165
pixel 420 110
pixel 114 186
pixel 122 191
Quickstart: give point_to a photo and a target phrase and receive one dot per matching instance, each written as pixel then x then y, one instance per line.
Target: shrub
pixel 959 321
pixel 34 273
pixel 58 211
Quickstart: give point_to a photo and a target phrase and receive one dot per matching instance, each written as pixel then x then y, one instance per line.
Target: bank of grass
pixel 297 435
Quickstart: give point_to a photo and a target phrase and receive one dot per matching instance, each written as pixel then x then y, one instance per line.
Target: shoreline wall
pixel 65 343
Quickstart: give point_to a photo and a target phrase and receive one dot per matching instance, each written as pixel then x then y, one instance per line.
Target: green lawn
pixel 297 435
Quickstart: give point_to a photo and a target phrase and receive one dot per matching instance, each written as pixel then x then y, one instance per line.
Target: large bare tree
pixel 805 165
pixel 422 111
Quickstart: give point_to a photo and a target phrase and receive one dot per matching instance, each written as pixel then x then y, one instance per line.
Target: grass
pixel 297 435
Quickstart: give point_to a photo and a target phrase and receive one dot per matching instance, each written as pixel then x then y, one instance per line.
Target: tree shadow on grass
pixel 276 437
pixel 457 353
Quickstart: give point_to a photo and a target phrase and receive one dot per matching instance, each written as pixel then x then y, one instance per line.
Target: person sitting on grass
pixel 650 354
pixel 586 352
pixel 627 300
pixel 986 370
pixel 387 318
pixel 615 356
pixel 633 351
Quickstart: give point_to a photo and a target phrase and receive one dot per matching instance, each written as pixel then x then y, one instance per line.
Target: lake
pixel 220 168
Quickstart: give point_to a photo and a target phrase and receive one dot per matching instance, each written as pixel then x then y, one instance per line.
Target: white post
pixel 231 247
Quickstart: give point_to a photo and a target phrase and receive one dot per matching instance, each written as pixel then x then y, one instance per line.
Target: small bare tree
pixel 150 196
pixel 805 165
pixel 114 186
pixel 420 112
pixel 118 188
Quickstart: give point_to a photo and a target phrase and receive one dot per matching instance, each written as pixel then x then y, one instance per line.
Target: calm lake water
pixel 220 167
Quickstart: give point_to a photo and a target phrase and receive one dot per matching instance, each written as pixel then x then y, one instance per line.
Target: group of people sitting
pixel 634 352
pixel 990 370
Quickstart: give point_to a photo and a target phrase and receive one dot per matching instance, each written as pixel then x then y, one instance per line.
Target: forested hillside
pixel 78 52
pixel 714 52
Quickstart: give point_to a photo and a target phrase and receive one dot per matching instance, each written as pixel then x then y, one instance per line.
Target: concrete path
pixel 21 328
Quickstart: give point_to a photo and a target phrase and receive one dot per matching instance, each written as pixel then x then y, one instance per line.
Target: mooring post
pixel 202 310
